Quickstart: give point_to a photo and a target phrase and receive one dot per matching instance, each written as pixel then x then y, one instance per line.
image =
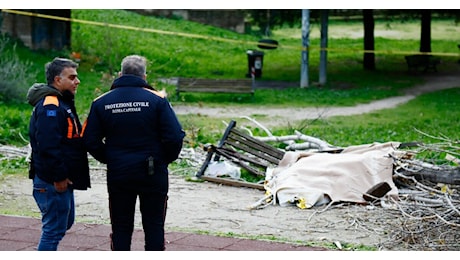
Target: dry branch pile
pixel 428 202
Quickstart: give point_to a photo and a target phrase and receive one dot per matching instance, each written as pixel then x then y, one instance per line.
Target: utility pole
pixel 305 45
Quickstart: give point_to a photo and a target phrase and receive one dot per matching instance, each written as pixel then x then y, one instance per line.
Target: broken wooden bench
pixel 244 151
pixel 237 86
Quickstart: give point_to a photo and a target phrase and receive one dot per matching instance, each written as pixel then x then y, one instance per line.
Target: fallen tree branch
pixel 310 142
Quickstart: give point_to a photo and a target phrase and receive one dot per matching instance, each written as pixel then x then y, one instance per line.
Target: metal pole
pixel 305 45
pixel 323 52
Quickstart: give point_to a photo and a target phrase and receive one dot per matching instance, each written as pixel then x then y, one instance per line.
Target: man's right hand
pixel 61 186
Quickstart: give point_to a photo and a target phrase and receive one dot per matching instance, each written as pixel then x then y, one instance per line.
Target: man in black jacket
pixel 134 130
pixel 59 160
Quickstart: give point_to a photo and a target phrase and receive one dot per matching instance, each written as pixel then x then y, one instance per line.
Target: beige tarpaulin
pixel 316 178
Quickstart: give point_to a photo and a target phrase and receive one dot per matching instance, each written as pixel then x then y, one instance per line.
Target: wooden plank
pixel 188 81
pixel 216 90
pixel 216 83
pixel 193 86
pixel 239 86
pixel 235 183
pixel 251 141
pixel 253 151
pixel 243 161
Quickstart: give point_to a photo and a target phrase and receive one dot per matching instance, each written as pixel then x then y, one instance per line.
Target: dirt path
pixel 216 209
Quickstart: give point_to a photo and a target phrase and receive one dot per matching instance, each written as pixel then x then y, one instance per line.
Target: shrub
pixel 14 73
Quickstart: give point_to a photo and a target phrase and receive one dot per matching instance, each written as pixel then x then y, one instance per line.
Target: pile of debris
pixel 315 174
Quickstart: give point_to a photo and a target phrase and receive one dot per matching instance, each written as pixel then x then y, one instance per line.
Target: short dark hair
pixel 134 65
pixel 55 68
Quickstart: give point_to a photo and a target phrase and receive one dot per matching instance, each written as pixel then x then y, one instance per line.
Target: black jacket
pixel 55 130
pixel 129 124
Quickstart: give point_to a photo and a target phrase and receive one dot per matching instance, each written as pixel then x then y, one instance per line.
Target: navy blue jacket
pixel 126 126
pixel 55 130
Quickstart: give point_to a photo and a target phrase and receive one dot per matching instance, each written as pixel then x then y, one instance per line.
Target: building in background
pixel 38 33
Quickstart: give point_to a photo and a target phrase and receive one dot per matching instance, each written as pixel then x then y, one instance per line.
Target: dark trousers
pixel 122 205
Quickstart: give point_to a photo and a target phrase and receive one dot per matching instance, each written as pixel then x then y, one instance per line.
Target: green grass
pixel 177 47
pixel 433 113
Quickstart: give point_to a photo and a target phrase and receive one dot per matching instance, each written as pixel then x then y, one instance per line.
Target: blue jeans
pixel 57 210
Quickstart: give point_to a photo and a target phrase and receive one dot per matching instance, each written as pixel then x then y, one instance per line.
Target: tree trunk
pixel 425 36
pixel 369 56
pixel 447 176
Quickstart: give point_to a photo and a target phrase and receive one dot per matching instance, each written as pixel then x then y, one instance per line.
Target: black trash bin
pixel 255 60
